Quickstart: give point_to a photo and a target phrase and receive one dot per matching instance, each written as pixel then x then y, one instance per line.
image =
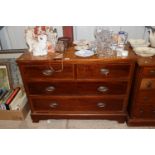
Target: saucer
pixel 84 47
pixel 145 51
pixel 81 42
pixel 84 53
pixel 138 43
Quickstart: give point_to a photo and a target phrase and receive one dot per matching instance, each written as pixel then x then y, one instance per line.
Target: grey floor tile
pixel 56 124
pixel 43 124
pixel 9 124
pixel 94 124
pixel 100 124
pixel 65 124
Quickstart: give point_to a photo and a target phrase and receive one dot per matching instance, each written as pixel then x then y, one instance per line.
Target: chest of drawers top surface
pixel 70 57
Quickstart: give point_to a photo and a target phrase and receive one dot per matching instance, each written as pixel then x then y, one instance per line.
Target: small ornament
pixel 36 38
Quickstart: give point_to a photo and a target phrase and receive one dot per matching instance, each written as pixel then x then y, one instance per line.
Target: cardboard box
pixel 14 114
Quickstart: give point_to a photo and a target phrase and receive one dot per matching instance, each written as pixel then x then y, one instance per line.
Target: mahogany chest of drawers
pixel 77 88
pixel 142 107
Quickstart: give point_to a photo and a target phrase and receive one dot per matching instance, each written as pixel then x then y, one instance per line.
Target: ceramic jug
pixel 122 37
pixel 152 38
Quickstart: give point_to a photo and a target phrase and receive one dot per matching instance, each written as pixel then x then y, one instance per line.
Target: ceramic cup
pixel 124 53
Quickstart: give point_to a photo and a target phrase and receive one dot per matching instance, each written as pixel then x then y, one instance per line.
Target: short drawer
pixel 79 88
pixel 147 84
pixel 148 72
pixel 77 104
pixel 146 97
pixel 44 71
pixel 145 111
pixel 100 71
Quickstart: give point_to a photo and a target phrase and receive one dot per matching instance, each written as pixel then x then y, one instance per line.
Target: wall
pixel 86 32
pixel 5 41
pixel 12 37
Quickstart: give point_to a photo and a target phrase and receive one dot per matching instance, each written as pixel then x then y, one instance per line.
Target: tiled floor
pixel 63 124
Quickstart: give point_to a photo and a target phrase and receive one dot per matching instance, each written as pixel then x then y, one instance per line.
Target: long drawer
pixel 77 88
pixel 100 71
pixel 46 72
pixel 99 104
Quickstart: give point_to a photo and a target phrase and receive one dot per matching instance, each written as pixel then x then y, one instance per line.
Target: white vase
pixel 152 38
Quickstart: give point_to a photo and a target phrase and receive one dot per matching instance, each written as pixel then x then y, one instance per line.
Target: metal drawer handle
pixel 102 89
pixel 50 89
pixel 53 105
pixel 104 71
pixel 48 72
pixel 153 111
pixel 101 104
pixel 146 98
pixel 149 84
pixel 152 72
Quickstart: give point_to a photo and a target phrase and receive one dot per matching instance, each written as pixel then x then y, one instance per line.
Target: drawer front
pixel 101 88
pixel 146 97
pixel 51 88
pixel 147 84
pixel 148 72
pixel 45 72
pixel 80 88
pixel 100 71
pixel 77 104
pixel 145 111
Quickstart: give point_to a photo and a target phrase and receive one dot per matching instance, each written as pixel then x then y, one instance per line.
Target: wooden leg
pixel 121 120
pixel 35 120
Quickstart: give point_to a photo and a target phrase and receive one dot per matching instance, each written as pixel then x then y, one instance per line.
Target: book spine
pixel 5 97
pixel 3 94
pixel 18 102
pixel 2 107
pixel 11 97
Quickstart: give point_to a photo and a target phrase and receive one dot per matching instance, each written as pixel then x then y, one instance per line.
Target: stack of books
pixel 13 99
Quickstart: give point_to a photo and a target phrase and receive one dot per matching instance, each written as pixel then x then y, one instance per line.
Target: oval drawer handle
pixel 153 111
pixel 141 111
pixel 149 84
pixel 101 105
pixel 48 72
pixel 102 89
pixel 50 89
pixel 152 72
pixel 145 98
pixel 53 105
pixel 104 71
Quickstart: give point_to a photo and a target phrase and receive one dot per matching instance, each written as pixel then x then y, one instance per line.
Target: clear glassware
pixel 103 38
pixel 60 47
pixel 93 46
